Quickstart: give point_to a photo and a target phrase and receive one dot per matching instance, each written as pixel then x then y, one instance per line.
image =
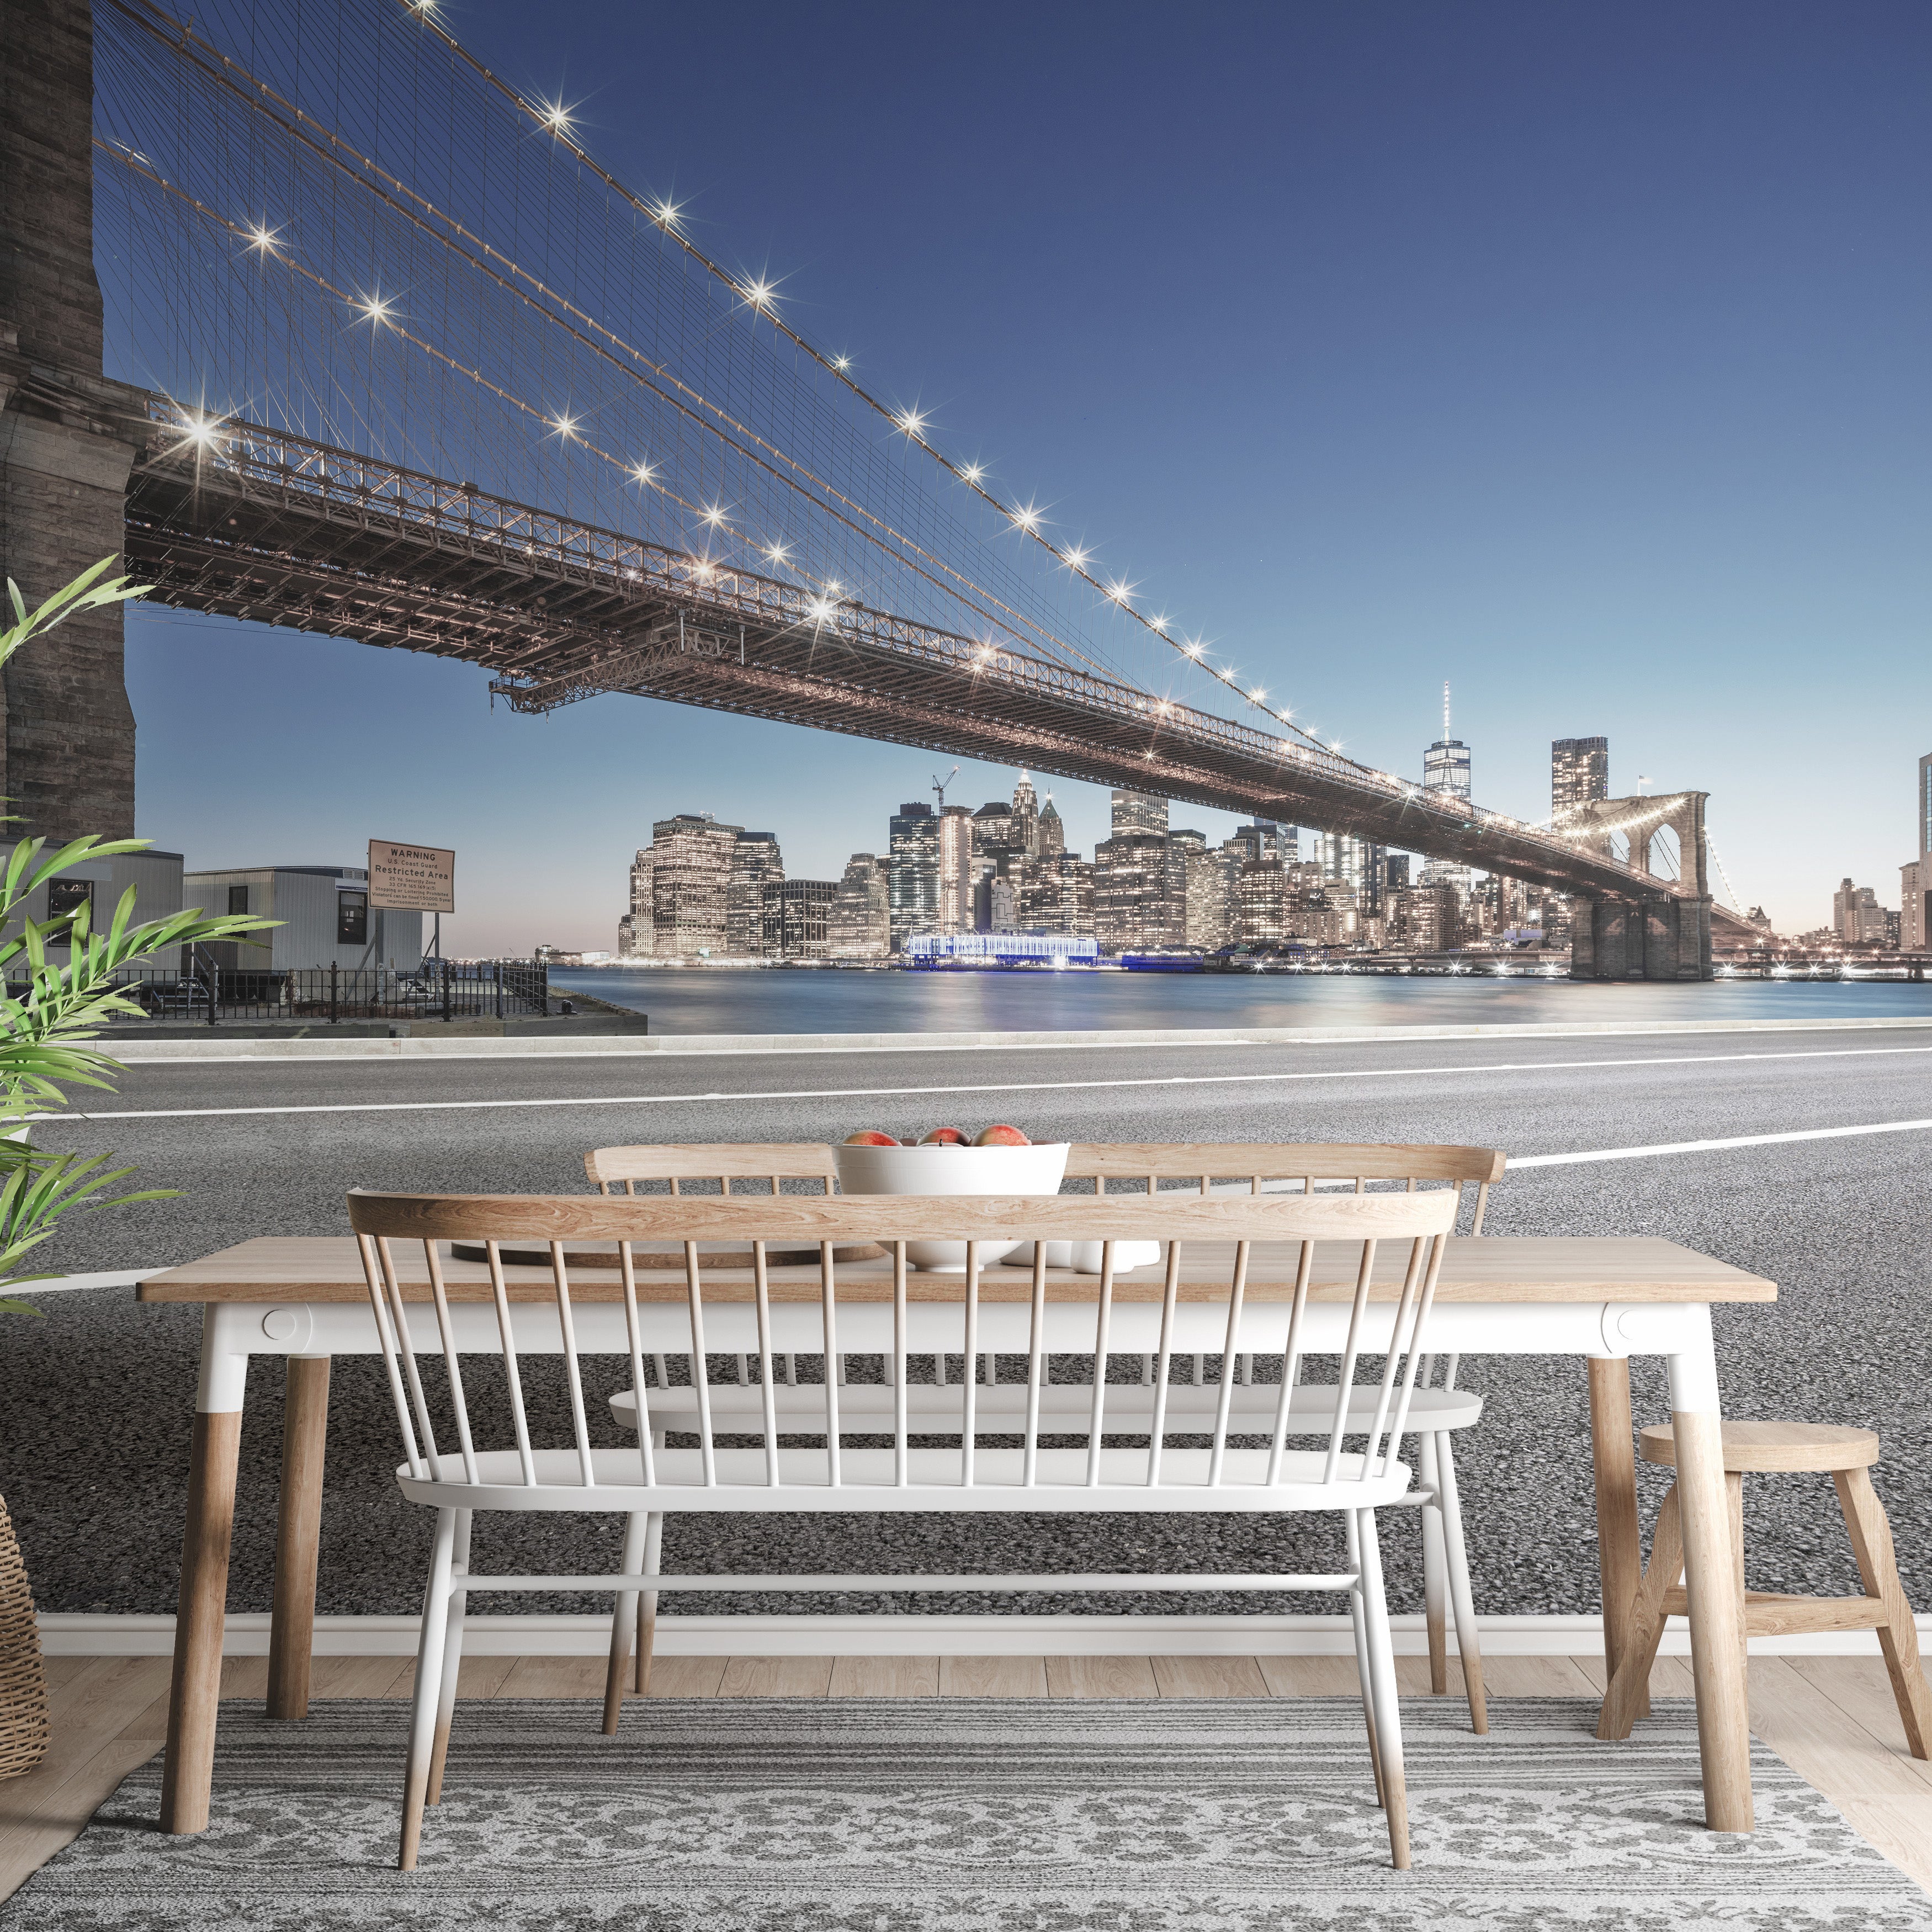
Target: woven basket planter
pixel 25 1726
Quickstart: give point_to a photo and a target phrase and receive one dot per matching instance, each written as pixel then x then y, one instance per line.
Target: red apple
pixel 1002 1136
pixel 870 1137
pixel 943 1137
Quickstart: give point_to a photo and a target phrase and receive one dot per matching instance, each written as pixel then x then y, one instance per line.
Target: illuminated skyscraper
pixel 1445 765
pixel 1580 774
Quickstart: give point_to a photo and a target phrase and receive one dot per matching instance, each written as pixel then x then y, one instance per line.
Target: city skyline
pixel 1617 435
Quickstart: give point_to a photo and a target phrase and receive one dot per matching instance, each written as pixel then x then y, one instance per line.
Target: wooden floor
pixel 1831 1719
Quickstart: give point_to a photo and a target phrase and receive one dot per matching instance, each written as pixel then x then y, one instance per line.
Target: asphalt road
pixel 98 1399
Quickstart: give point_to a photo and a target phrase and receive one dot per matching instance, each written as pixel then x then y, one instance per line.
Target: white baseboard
pixel 77 1635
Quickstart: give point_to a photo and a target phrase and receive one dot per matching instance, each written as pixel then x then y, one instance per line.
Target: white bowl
pixel 939 1170
pixel 1085 1257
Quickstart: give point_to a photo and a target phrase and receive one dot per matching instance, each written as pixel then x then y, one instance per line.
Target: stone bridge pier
pixel 1663 935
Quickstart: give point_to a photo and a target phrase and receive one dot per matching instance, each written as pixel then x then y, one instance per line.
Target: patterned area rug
pixel 924 1815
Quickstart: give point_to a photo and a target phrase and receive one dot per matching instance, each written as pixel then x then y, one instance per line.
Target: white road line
pixel 1706 1147
pixel 999 1087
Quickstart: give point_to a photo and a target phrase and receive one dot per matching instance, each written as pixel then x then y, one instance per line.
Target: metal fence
pixel 438 990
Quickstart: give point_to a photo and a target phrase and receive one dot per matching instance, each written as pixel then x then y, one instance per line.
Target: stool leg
pixel 1898 1637
pixel 1734 1491
pixel 1627 1697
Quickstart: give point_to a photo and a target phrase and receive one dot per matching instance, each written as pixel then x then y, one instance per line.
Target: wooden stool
pixel 1846 1455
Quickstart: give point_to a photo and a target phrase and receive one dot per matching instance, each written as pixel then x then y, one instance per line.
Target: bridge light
pixel 1257 695
pixel 714 515
pixel 375 308
pixel 556 117
pixel 261 239
pixel 1076 558
pixel 758 294
pixel 819 611
pixel 776 553
pixel 841 363
pixel 972 473
pixel 1027 517
pixel 667 213
pixel 566 427
pixel 913 423
pixel 1159 623
pixel 644 472
pixel 1120 592
pixel 1193 647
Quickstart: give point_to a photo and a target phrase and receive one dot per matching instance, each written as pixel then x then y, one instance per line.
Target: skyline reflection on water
pixel 755 1000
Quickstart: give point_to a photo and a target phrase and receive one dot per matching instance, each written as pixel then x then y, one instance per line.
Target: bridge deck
pixel 252 523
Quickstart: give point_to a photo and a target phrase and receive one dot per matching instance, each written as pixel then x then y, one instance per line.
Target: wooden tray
pixel 603 1254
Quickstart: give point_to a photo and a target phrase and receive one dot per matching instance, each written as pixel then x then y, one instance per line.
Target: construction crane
pixel 939 785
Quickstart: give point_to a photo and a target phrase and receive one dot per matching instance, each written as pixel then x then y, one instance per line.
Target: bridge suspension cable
pixel 553 120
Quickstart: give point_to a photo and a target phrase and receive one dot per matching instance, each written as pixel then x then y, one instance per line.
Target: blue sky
pixel 1576 356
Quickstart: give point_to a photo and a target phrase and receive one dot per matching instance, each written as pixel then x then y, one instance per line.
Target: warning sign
pixel 411 878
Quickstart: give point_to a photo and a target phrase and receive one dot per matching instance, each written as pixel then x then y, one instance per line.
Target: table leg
pixel 194 1696
pixel 297 1536
pixel 1715 1603
pixel 1619 1546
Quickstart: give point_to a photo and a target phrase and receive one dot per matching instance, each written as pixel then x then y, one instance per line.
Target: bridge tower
pixel 1666 935
pixel 66 749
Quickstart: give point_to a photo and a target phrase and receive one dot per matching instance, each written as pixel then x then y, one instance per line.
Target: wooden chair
pixel 1847 1455
pixel 806 1308
pixel 1206 1168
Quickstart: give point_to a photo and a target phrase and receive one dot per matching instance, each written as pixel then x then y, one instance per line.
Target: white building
pixel 322 916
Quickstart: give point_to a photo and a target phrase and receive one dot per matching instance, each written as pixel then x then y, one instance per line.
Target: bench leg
pixel 452 1658
pixel 622 1615
pixel 1435 1565
pixel 647 1601
pixel 1468 1643
pixel 1364 1679
pixel 1628 1697
pixel 428 1692
pixel 1388 1708
pixel 1898 1636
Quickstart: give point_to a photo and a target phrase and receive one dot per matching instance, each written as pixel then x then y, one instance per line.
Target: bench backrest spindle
pixel 1205 1301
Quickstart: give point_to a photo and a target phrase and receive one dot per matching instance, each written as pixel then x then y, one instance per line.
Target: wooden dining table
pixel 1603 1298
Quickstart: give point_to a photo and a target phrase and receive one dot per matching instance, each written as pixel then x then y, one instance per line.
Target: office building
pixel 1422 919
pixel 1445 765
pixel 955 869
pixel 1056 895
pixel 797 918
pixel 1052 831
pixel 1914 909
pixel 691 883
pixel 913 883
pixel 1264 894
pixel 756 863
pixel 1130 913
pixel 1857 917
pixel 860 924
pixel 1579 774
pixel 637 930
pixel 1209 922
pixel 1138 814
pixel 1184 844
pixel 1025 832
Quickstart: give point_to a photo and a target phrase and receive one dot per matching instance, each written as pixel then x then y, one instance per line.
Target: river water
pixel 743 1000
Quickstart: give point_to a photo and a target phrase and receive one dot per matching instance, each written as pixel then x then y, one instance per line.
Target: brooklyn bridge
pixel 328 327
